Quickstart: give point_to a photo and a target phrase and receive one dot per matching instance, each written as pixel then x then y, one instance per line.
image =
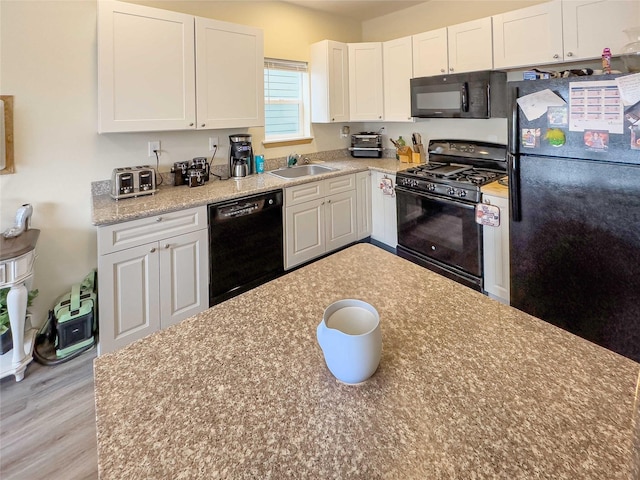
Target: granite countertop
pixel 168 198
pixel 466 388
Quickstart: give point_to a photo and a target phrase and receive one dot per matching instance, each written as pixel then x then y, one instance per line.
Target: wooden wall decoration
pixel 6 135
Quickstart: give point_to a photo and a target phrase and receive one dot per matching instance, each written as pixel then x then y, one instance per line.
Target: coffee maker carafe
pixel 240 155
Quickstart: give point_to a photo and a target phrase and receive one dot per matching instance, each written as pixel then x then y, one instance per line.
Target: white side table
pixel 17 258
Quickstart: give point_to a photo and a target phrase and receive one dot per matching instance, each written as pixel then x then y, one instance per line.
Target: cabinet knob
pixel 569 54
pixel 328 201
pixel 152 250
pixel 556 56
pixel 159 219
pixel 379 116
pixel 451 69
pixel 167 245
pixel 442 70
pixel 191 124
pixel 202 125
pixel 333 119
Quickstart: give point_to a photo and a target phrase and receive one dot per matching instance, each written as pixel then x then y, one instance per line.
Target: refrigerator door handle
pixel 512 121
pixel 514 187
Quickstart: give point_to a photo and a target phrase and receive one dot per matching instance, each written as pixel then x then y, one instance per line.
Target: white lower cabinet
pixel 384 217
pixel 496 252
pixel 152 273
pixel 319 217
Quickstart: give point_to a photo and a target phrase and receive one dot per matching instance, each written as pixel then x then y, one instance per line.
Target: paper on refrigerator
pixel 536 104
pixel 629 87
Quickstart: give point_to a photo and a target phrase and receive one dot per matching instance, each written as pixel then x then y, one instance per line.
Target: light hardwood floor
pixel 47 422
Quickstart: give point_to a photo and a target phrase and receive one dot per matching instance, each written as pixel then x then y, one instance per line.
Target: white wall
pixel 49 63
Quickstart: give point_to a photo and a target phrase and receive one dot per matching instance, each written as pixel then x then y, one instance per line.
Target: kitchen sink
pixel 301 171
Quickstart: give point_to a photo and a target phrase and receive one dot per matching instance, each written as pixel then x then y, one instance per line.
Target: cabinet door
pixel 229 75
pixel 329 82
pixel 363 204
pixel 340 220
pixel 470 46
pixel 528 36
pixel 128 296
pixel 184 277
pixel 145 69
pixel 398 70
pixel 430 53
pixel 591 25
pixel 365 81
pixel 496 252
pixel 384 224
pixel 304 227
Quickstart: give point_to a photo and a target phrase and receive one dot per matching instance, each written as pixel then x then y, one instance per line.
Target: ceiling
pixel 357 9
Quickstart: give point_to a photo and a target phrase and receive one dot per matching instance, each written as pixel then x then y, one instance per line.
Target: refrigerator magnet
pixel 596 140
pixel 635 137
pixel 530 137
pixel 558 116
pixel 555 137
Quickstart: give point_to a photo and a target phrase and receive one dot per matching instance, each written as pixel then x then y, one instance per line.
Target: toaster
pixel 133 181
pixel 366 144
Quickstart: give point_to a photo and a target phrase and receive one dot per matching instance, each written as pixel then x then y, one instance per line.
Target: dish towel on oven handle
pixel 386 185
pixel 487 215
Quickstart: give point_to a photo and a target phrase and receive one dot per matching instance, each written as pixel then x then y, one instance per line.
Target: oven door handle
pixel 468 206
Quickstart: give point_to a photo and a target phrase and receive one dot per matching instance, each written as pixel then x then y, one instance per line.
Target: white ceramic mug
pixel 351 341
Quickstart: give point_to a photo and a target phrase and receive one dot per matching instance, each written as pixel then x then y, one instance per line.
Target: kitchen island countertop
pixel 168 198
pixel 466 388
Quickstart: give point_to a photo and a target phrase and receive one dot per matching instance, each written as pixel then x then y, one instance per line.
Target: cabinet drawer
pixel 113 238
pixel 303 193
pixel 340 184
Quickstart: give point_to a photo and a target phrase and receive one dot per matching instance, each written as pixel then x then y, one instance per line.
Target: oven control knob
pixel 462 193
pixel 431 187
pixel 452 191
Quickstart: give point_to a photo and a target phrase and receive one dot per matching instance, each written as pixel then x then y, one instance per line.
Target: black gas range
pixel 457 169
pixel 436 205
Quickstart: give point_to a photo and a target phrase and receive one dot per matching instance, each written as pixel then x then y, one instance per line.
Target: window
pixel 286 100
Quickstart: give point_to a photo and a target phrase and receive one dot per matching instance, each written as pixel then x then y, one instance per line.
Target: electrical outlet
pixel 154 146
pixel 213 143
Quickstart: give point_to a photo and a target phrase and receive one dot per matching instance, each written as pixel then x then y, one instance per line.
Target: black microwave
pixel 461 95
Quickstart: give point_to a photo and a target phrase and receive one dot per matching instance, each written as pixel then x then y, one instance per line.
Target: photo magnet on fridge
pixel 596 140
pixel 557 116
pixel 530 137
pixel 635 137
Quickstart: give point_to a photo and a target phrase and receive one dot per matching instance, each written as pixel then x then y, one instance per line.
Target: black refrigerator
pixel 574 185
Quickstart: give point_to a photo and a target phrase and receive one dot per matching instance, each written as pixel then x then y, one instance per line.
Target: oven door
pixel 440 229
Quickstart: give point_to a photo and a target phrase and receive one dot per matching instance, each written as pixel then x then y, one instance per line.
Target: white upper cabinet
pixel 146 69
pixel 558 32
pixel 157 67
pixel 470 46
pixel 590 25
pixel 430 53
pixel 229 74
pixel 365 82
pixel 397 61
pixel 528 36
pixel 329 82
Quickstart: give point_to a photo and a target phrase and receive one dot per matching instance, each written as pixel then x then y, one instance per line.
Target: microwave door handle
pixel 464 93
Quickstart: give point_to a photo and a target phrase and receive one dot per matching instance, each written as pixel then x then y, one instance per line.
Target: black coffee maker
pixel 240 155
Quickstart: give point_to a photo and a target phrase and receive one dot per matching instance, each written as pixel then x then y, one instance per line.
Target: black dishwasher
pixel 245 244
